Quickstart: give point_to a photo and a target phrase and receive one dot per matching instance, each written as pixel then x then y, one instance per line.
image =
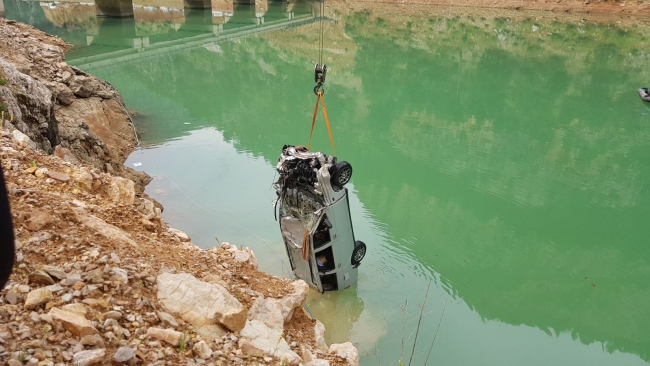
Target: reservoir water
pixel 505 160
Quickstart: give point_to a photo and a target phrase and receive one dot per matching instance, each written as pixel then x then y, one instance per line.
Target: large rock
pixel 267 311
pixel 101 227
pixel 37 297
pixel 121 191
pixel 295 299
pixel 32 104
pixel 347 351
pixel 200 303
pixel 258 340
pixel 74 323
pixel 319 336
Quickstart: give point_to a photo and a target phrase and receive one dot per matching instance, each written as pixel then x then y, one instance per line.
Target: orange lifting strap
pixel 327 121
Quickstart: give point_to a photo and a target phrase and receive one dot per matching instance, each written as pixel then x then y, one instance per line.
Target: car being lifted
pixel 315 218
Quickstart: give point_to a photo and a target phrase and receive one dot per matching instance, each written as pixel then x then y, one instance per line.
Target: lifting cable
pixel 320 70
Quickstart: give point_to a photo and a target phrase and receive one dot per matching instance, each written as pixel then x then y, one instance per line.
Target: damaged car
pixel 314 217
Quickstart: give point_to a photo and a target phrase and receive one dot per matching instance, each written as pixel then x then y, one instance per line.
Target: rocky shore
pixel 100 278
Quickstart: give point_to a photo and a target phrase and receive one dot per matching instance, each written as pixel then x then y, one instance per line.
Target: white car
pixel 315 218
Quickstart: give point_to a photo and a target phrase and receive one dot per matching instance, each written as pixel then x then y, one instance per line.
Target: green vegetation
pixel 182 342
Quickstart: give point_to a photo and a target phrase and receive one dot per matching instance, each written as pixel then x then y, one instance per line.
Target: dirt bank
pixel 99 277
pixel 629 13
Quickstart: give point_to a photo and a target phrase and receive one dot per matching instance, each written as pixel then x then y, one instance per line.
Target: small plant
pixel 33 164
pixel 4 108
pixel 22 356
pixel 180 265
pixel 182 342
pixel 3 82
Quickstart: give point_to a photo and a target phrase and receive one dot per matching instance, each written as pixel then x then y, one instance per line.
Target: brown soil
pixel 622 12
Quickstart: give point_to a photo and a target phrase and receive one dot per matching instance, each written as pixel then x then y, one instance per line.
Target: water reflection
pixel 487 158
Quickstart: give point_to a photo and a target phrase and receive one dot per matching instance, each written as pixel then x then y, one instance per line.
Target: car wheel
pixel 341 174
pixel 359 252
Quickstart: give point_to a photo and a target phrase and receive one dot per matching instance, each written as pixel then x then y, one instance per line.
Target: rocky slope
pixel 99 277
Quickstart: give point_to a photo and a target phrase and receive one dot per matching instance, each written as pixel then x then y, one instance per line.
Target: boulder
pixel 74 323
pixel 319 336
pixel 200 303
pixel 257 339
pixel 267 311
pixel 32 105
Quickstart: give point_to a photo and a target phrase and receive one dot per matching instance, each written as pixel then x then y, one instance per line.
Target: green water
pixel 505 161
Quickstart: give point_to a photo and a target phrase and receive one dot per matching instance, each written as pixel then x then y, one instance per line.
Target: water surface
pixel 506 161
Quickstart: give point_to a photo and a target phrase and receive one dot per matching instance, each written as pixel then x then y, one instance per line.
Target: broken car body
pixel 315 219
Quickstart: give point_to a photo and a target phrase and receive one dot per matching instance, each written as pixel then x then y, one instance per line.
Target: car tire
pixel 341 174
pixel 358 253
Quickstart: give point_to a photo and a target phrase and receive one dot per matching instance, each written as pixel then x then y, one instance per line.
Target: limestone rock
pixel 210 331
pixel 257 339
pixel 200 303
pixel 40 278
pixel 319 336
pixel 61 177
pixel 124 354
pixel 267 311
pixel 102 227
pixel 90 357
pixel 14 297
pixel 202 350
pixel 346 350
pixel 74 323
pixel 294 300
pixel 31 103
pixel 121 191
pixel 38 219
pixel 318 362
pixel 55 272
pixel 21 138
pixel 84 179
pixel 37 297
pixel 63 94
pixel 93 340
pixel 112 315
pixel 168 335
pixel 167 318
pixel 76 308
pixel 179 234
